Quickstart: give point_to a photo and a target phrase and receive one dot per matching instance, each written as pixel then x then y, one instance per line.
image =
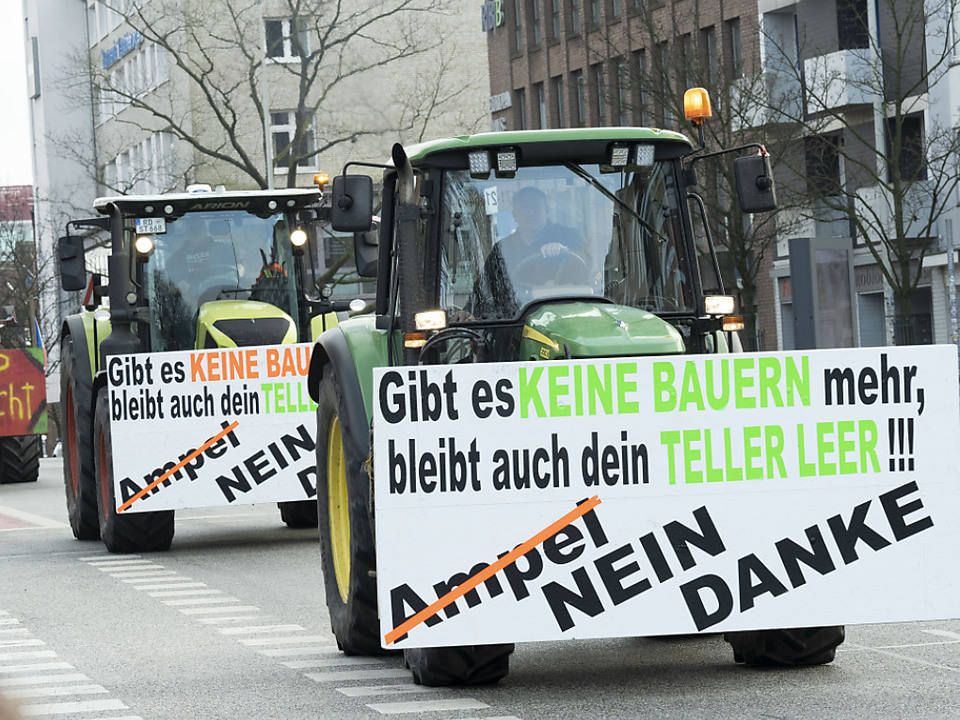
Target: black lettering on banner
pixel 613 577
pixel 472 597
pixel 681 538
pixel 847 536
pixel 750 566
pixel 258 467
pixel 559 598
pixel 817 557
pixel 896 512
pixel 717 588
pixel 402 597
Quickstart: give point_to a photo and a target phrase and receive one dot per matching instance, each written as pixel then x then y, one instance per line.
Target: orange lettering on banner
pixel 288 361
pixel 211 366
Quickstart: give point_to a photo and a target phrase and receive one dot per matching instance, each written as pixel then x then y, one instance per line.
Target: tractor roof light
pixel 479 164
pixel 696 105
pixel 645 154
pixel 321 179
pixel 733 323
pixel 144 246
pixel 718 305
pixel 619 155
pixel 414 339
pixel 506 162
pixel 298 238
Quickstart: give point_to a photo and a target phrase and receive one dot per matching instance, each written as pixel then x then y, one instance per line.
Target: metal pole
pixel 265 98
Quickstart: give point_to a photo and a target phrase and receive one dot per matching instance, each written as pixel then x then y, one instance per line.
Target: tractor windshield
pixel 226 255
pixel 563 230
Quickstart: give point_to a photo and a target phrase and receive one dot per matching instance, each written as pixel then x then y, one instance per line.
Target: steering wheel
pixel 216 284
pixel 564 268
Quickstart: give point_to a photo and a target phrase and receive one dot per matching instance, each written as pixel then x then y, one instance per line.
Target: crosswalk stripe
pixel 339 661
pixel 184 593
pixel 371 690
pixel 293 639
pixel 420 706
pixel 167 576
pixel 295 652
pixel 215 610
pixel 228 619
pixel 94 558
pixel 347 675
pixel 33 667
pixel 25 642
pixel 25 654
pixel 42 680
pixel 254 629
pixel 200 601
pixel 71 707
pixel 24 693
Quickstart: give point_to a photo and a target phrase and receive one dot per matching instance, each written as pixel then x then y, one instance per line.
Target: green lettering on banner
pixel 556 374
pixel 806 469
pixel 773 447
pixel 769 378
pixel 529 392
pixel 624 406
pixel 718 402
pixel 846 447
pixel 752 452
pixel 691 454
pixel 742 382
pixel 664 394
pixel 601 388
pixel 798 381
pixel 691 392
pixel 671 438
pixel 734 473
pixel 825 447
pixel 712 473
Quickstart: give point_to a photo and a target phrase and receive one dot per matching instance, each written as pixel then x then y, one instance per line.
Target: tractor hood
pixel 239 323
pixel 584 329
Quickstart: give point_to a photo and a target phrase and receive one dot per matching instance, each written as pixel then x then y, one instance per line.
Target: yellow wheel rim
pixel 339 504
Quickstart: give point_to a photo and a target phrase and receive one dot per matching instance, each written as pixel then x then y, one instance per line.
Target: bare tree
pixel 677 48
pixel 876 150
pixel 220 69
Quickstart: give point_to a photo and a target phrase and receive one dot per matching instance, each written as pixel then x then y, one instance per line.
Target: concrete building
pixel 570 63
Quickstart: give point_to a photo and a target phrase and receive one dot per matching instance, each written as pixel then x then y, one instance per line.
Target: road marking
pixel 9 621
pixel 34 522
pixel 296 652
pixel 254 629
pixel 200 601
pixel 14 631
pixel 128 570
pixel 172 586
pixel 229 619
pixel 24 693
pixel 111 562
pixel 213 610
pixel 491 570
pixel 293 639
pixel 419 706
pixel 28 654
pixel 339 660
pixel 371 690
pixel 184 593
pixel 72 707
pixel 43 680
pixel 33 667
pixel 20 643
pixel 347 675
pixel 160 576
pixel 943 633
pixel 107 556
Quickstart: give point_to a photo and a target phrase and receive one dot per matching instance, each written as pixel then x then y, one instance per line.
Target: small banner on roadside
pixel 650 496
pixel 209 428
pixel 23 392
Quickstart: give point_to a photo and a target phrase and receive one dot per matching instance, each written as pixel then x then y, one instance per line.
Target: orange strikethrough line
pixel 179 465
pixel 491 570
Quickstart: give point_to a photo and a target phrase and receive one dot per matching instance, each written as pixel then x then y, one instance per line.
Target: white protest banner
pixel 648 496
pixel 212 427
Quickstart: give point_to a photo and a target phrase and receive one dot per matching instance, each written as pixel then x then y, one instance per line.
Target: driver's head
pixel 530 210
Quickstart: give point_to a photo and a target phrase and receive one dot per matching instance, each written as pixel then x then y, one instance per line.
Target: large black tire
pixel 123 532
pixel 299 513
pixel 459 665
pixel 76 403
pixel 347 551
pixel 796 646
pixel 20 459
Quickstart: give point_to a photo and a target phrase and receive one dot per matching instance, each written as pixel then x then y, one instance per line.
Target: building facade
pixel 814 79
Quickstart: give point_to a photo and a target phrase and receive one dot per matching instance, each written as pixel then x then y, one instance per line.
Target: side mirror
pixel 73 270
pixel 352 203
pixel 755 183
pixel 366 251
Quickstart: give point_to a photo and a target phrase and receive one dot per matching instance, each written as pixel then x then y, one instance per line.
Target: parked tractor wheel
pixel 78 472
pixel 795 646
pixel 347 552
pixel 299 513
pixel 124 532
pixel 20 459
pixel 458 665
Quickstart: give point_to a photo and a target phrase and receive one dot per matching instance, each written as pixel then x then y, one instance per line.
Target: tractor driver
pixel 538 254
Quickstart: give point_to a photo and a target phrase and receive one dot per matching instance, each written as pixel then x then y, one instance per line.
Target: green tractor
pixel 525 245
pixel 187 271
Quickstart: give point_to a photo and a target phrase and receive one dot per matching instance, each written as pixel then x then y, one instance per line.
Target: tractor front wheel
pixel 795 646
pixel 458 665
pixel 123 532
pixel 19 459
pixel 347 552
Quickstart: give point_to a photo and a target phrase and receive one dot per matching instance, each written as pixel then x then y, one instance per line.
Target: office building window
pixel 518 25
pixel 595 11
pixel 535 21
pixel 623 94
pixel 640 82
pixel 575 15
pixel 598 79
pixel 558 98
pixel 555 19
pixel 521 110
pixel 823 165
pixel 735 46
pixel 541 106
pixel 710 57
pixel 284 40
pixel 580 89
pixel 852 30
pixel 283 129
pixel 616 8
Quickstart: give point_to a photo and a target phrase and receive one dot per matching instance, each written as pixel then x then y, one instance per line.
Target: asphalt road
pixel 230 623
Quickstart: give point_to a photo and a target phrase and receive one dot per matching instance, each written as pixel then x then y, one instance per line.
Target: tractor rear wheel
pixel 78 473
pixel 124 532
pixel 299 513
pixel 19 459
pixel 347 551
pixel 458 665
pixel 795 646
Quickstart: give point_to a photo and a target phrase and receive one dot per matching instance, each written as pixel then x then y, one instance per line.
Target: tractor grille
pixel 254 331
